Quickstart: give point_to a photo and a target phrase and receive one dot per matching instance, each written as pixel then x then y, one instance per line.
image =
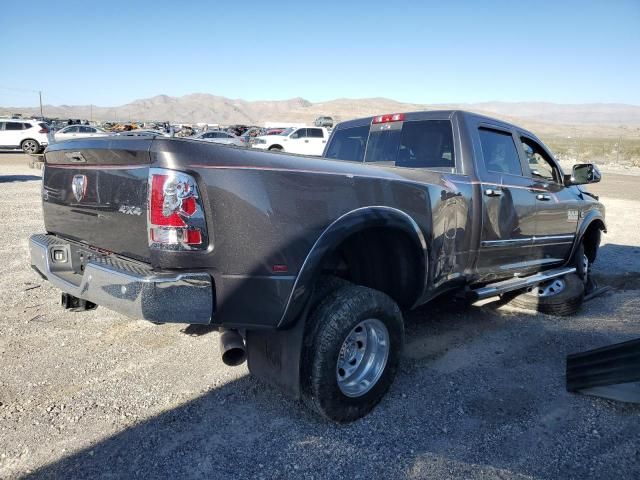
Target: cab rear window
pixel 348 144
pixel 410 144
pixel 418 144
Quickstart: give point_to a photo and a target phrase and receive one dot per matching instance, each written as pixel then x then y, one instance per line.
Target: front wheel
pixel 560 296
pixel 352 350
pixel 583 268
pixel 30 146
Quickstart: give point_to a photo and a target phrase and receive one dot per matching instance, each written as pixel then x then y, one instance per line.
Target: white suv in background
pixel 303 140
pixel 28 134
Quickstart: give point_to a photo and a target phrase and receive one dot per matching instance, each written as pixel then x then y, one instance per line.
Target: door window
pixel 300 133
pixel 499 152
pixel 13 126
pixel 540 164
pixel 314 133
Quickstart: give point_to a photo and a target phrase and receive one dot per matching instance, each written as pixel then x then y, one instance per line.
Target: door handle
pixel 493 192
pixel 543 197
pixel 306 141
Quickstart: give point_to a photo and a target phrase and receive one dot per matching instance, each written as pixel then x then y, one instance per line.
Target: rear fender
pixel 345 226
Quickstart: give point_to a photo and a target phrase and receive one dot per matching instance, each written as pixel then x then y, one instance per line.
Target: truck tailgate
pixel 95 192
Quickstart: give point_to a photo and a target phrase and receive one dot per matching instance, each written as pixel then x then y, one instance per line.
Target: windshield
pixel 286 131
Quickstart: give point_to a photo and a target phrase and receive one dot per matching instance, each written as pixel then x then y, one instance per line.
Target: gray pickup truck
pixel 305 264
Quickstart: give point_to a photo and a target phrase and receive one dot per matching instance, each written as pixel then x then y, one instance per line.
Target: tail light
pixel 176 217
pixel 44 130
pixel 394 117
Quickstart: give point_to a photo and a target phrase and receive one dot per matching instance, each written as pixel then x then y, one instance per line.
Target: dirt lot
pixel 480 393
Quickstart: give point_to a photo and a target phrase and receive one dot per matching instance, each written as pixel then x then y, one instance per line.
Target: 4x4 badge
pixel 79 186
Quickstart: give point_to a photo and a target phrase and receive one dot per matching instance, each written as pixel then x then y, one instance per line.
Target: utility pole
pixel 91 113
pixel 40 95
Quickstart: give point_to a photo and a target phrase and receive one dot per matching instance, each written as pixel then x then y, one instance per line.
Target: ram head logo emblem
pixel 79 186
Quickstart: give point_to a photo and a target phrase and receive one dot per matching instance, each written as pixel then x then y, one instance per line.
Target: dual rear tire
pixel 352 349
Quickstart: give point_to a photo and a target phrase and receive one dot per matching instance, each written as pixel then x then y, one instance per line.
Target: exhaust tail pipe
pixel 232 346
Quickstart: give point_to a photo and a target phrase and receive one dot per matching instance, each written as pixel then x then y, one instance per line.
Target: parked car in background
pixel 249 136
pixel 307 141
pixel 56 125
pixel 140 132
pixel 274 131
pixel 29 135
pixel 324 122
pixel 78 131
pixel 237 130
pixel 217 136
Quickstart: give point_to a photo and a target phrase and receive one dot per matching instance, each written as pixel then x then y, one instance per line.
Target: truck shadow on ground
pixel 618 266
pixel 18 178
pixel 473 396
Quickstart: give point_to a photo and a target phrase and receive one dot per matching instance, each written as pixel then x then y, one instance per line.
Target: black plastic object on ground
pixel 611 372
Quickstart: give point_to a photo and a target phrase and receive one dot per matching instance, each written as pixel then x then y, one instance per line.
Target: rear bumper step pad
pixel 126 287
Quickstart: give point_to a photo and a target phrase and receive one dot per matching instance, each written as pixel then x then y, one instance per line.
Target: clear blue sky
pixel 110 52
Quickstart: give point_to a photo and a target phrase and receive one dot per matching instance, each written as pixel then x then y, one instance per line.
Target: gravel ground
pixel 480 392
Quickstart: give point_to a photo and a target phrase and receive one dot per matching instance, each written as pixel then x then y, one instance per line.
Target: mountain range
pixel 606 119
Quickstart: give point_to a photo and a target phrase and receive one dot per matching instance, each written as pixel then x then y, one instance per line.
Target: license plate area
pixel 68 261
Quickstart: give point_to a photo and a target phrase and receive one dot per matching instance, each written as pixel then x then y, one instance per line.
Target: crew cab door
pixel 298 142
pixel 556 206
pixel 316 141
pixel 509 200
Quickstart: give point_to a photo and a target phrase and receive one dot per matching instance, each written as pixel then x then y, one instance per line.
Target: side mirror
pixel 583 173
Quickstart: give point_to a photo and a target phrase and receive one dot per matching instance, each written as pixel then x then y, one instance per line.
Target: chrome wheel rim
pixel 547 289
pixel 30 146
pixel 363 357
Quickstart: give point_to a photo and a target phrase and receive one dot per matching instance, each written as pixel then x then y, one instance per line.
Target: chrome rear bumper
pixel 127 287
